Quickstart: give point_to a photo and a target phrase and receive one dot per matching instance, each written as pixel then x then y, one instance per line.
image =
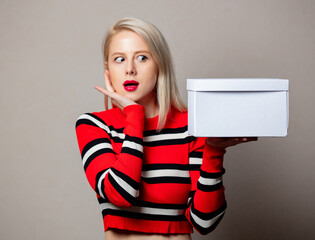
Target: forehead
pixel 127 41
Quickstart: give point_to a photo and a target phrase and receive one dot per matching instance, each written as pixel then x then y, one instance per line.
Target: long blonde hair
pixel 166 90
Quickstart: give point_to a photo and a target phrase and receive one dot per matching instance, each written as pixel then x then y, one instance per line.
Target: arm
pixel 114 177
pixel 207 204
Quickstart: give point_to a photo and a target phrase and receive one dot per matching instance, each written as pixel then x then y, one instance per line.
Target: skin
pixel 130 59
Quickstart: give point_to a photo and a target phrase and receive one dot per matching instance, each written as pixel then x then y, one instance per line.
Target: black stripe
pixel 212 188
pixel 194 167
pixel 144 216
pixel 97 179
pixel 140 203
pixel 93 143
pixel 96 154
pixel 130 199
pixel 103 189
pixel 111 128
pixel 134 139
pixel 205 231
pixel 126 178
pixel 208 216
pixel 147 167
pixel 164 142
pixel 165 131
pixel 191 139
pixel 132 151
pixel 166 180
pixel 196 154
pixel 116 139
pixel 85 122
pixel 212 175
pixel 192 193
pixel 191 196
pixel 102 200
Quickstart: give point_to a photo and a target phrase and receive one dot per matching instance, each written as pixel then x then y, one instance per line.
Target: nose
pixel 131 68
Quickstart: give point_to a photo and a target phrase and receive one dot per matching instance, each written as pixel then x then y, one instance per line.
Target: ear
pixel 106 71
pixel 108 81
pixel 107 76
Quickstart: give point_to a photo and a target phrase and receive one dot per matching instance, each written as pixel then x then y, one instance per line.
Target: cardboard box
pixel 238 107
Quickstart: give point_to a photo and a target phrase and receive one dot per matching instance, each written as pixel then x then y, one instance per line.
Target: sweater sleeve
pixel 206 205
pixel 114 177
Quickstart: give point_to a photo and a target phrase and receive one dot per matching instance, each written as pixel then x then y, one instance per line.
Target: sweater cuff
pixel 212 159
pixel 135 116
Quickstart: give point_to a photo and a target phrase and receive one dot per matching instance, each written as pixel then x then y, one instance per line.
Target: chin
pixel 132 96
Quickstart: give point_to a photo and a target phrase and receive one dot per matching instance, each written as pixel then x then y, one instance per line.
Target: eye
pixel 142 58
pixel 119 59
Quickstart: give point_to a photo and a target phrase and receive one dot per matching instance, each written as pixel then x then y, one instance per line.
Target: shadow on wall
pixel 263 193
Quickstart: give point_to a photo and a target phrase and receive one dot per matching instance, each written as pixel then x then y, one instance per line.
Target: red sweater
pixel 149 181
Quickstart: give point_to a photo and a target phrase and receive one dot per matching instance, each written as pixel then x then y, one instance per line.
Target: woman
pixel 152 180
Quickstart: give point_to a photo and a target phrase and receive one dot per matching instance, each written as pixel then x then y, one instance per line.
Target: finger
pixel 249 139
pixel 216 141
pixel 244 140
pixel 110 94
pixel 118 104
pixel 104 91
pixel 229 140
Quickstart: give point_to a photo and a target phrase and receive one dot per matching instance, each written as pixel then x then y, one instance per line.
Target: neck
pixel 151 108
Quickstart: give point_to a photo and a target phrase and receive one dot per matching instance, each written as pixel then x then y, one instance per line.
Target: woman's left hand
pixel 117 99
pixel 224 142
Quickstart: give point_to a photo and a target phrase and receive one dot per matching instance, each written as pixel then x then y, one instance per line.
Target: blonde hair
pixel 166 90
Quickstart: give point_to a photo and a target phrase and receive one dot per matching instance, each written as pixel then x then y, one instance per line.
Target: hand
pixel 117 99
pixel 224 142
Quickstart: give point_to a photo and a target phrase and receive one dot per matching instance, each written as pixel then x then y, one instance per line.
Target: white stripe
pixel 94 149
pixel 172 136
pixel 193 160
pixel 165 173
pixel 209 181
pixel 133 192
pixel 145 210
pixel 133 145
pixel 99 184
pixel 103 126
pixel 204 223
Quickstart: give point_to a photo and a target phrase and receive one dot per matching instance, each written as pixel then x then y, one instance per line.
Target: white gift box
pixel 238 107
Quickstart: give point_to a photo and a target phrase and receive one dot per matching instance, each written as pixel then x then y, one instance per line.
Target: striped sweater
pixel 149 181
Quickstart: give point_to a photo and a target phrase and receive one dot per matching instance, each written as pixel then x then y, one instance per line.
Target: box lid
pixel 237 84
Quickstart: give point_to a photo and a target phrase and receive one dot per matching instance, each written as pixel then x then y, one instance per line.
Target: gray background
pixel 51 59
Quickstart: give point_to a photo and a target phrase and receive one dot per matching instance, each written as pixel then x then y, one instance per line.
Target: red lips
pixel 130 85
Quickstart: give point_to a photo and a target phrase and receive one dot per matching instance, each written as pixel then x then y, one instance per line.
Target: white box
pixel 238 107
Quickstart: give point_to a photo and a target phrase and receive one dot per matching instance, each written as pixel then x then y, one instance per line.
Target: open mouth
pixel 131 85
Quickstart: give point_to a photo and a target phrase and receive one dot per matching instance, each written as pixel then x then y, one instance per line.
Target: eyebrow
pixel 140 51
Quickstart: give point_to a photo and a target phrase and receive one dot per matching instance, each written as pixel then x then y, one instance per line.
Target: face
pixel 132 69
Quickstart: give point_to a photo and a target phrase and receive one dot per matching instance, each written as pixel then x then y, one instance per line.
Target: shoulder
pixel 108 117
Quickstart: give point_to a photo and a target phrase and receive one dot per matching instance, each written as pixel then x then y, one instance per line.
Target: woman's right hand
pixel 116 99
